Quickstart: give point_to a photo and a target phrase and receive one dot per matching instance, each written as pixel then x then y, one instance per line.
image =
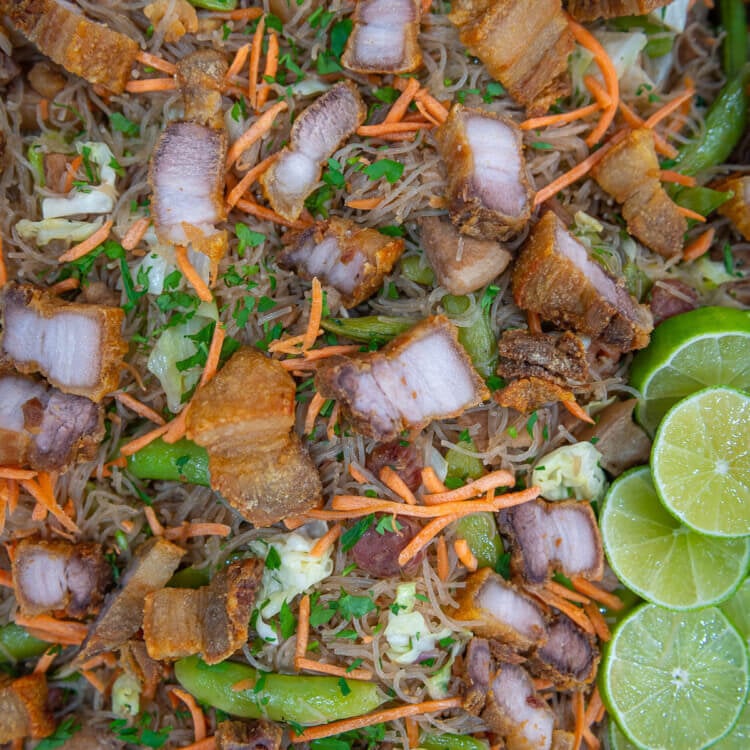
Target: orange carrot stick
pixel 135 233
pixel 192 276
pixel 575 613
pixel 431 481
pixel 89 244
pixel 71 171
pixel 668 108
pixel 578 714
pixel 146 58
pixel 64 632
pixel 398 110
pixel 577 411
pixel 303 628
pixel 254 133
pixel 465 555
pixel 317 666
pixel 214 353
pixel 601 94
pixel 261 212
pixel 668 175
pixel 600 624
pixel 443 566
pixel 609 600
pixel 316 404
pixel 577 114
pixel 494 479
pixel 241 14
pixel 566 593
pixel 632 119
pixel 252 88
pixel 8 472
pixel 177 427
pixel 128 449
pixel 689 214
pixel 47 500
pixel 326 541
pixel 271 69
pixel 432 105
pixel 394 482
pixel 423 537
pixel 387 128
pixel 139 408
pixel 364 204
pixel 66 285
pixel 147 85
pixel 157 529
pixel 699 246
pixel 239 60
pixel 3 268
pixel 316 315
pixel 196 714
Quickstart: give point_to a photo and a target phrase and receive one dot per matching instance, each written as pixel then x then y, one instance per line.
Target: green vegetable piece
pixel 461 466
pixel 297 699
pixel 181 461
pixel 702 199
pixel 734 51
pixel 415 269
pixel 451 742
pixel 214 4
pixel 480 532
pixel 658 46
pixel 17 644
pixel 190 578
pixel 369 328
pixel 35 156
pixel 477 337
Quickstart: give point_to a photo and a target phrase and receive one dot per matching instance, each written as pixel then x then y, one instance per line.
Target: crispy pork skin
pixel 211 621
pixel 555 277
pixel 421 375
pixel 200 76
pixel 526 395
pixel 60 577
pixel 503 611
pixel 630 174
pixel 352 259
pixel 478 667
pixel 547 537
pixel 462 264
pixel 77 347
pixel 23 708
pixel 737 209
pixel 489 187
pixel 317 132
pixel 149 673
pixel 590 10
pixel 524 44
pixel 87 49
pixel 559 358
pixel 384 37
pixel 248 735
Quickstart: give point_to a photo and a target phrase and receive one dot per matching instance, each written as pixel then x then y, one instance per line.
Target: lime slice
pixel 661 559
pixel 675 679
pixel 708 346
pixel 701 461
pixel 617 740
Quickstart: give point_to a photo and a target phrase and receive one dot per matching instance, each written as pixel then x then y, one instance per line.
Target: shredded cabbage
pixel 571 471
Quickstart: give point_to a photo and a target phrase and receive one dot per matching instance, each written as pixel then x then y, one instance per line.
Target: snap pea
pixel 415 269
pixel 734 50
pixel 701 199
pixel 477 337
pixel 297 699
pixel 369 328
pixel 215 4
pixel 182 461
pixel 480 532
pixel 17 644
pixel 461 466
pixel 451 742
pixel 190 578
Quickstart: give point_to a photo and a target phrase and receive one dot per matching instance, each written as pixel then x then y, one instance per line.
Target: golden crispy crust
pixel 23 709
pixel 737 209
pixel 590 10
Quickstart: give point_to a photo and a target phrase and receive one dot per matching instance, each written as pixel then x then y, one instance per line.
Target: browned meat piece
pixel 384 37
pixel 670 297
pixel 478 666
pixel 45 429
pixel 462 264
pixel 630 174
pixel 60 577
pixel 62 33
pixel 9 69
pixel 23 708
pixel 248 735
pixel 403 459
pixel 421 375
pixel 622 443
pixel 255 459
pixel 377 554
pixel 502 611
pixel 149 673
pixel 352 259
pixel 546 537
pixel 78 348
pixel 569 658
pixel 211 621
pixel 524 44
pixel 737 209
pixel 590 10
pixel 528 394
pixel 559 358
pixel 515 711
pixel 489 187
pixel 555 277
pixel 317 132
pixel 151 567
pixel 46 79
pixel 200 77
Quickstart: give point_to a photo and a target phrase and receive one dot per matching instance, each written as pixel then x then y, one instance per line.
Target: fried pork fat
pixel 77 347
pixel 384 37
pixel 422 375
pixel 245 418
pixel 23 708
pixel 559 358
pixel 737 209
pixel 489 187
pixel 590 10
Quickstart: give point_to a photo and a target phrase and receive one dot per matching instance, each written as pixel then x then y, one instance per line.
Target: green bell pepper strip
pixel 367 329
pixel 17 644
pixel 183 461
pixel 451 742
pixel 297 699
pixel 214 4
pixel 477 337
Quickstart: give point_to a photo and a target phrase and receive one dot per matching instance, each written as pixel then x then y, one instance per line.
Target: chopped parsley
pixel 388 168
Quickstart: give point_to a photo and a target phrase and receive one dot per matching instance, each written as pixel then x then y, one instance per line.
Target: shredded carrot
pixel 254 133
pixel 39 513
pixel 250 177
pixel 394 482
pixel 577 410
pixel 465 555
pixel 93 679
pixel 577 114
pixel 241 14
pixel 240 58
pixel 6 579
pixel 153 522
pixel 592 711
pixel 189 272
pixel 139 408
pixel 603 99
pixel 398 110
pixel 574 613
pixel 632 119
pixel 214 353
pixel 376 717
pixel 667 175
pixel 128 449
pixel 432 105
pixel 423 537
pixel 566 593
pixel 71 171
pixel 11 489
pixel 3 267
pixel 597 620
pixel 269 72
pixel 261 212
pixel 135 233
pixel 44 109
pixel 316 404
pixel 578 714
pixel 494 479
pixel 699 246
pixel 252 88
pixel 589 738
pixel 431 481
pixel 609 600
pixel 412 732
pixel 389 128
pixel 89 244
pixel 317 666
pixel 669 107
pixel 66 285
pixel 303 628
pixel 534 321
pixel 64 632
pixel 47 499
pixel 210 742
pixel 45 661
pixel 8 472
pixel 331 351
pixel 146 58
pixel 316 315
pixel 542 684
pixel 332 421
pixel 326 541
pixel 443 565
pixel 364 204
pixel 357 474
pixel 294 523
pixel 188 530
pixel 689 214
pixel 177 427
pixel 196 714
pixel 146 85
pixel 426 115
pixel 287 345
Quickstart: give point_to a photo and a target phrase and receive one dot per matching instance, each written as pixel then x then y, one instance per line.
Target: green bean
pixel 477 337
pixel 17 644
pixel 190 578
pixel 368 329
pixel 451 742
pixel 182 461
pixel 297 699
pixel 215 4
pixel 734 51
pixel 480 532
pixel 415 269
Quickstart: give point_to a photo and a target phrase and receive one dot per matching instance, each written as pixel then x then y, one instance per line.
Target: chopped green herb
pixel 61 735
pixel 353 534
pixel 388 524
pixel 344 686
pixel 287 620
pixel 273 559
pixel 247 238
pixel 530 423
pixel 391 170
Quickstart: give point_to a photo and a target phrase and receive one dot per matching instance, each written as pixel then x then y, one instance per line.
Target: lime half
pixel 661 559
pixel 675 679
pixel 617 740
pixel 708 346
pixel 701 461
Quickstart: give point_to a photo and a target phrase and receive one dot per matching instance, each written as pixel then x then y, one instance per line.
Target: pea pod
pixel 701 199
pixel 215 4
pixel 183 461
pixel 461 466
pixel 190 578
pixel 368 329
pixel 476 337
pixel 17 644
pixel 452 742
pixel 734 50
pixel 480 532
pixel 297 699
pixel 415 269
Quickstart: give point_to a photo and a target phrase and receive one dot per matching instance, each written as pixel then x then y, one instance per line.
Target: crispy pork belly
pixel 23 708
pixel 211 621
pixel 489 187
pixel 462 264
pixel 352 259
pixel 60 577
pixel 317 132
pixel 502 611
pixel 555 277
pixel 478 666
pixel 200 76
pixel 77 347
pixel 515 711
pixel 526 395
pixel 151 567
pixel 87 49
pixel 148 672
pixel 547 537
pixel 524 44
pixel 630 174
pixel 590 10
pixel 421 375
pixel 46 429
pixel 384 37
pixel 559 358
pixel 737 209
pixel 256 460
pixel 248 735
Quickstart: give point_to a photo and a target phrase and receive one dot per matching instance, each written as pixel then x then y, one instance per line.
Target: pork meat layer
pixel 23 708
pixel 559 358
pixel 590 10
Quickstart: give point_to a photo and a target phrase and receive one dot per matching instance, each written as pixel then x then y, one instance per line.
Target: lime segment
pixel 659 558
pixel 701 461
pixel 675 679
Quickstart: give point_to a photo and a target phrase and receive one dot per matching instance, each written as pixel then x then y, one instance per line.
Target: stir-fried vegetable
pixel 16 643
pixel 181 461
pixel 215 4
pixel 451 742
pixel 474 331
pixel 376 329
pixel 734 20
pixel 481 534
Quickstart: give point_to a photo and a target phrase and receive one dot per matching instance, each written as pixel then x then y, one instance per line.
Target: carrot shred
pixel 89 244
pixel 494 479
pixel 364 204
pixel 71 171
pixel 426 114
pixel 254 133
pixel 431 481
pixel 578 714
pixel 188 530
pixel 412 732
pixel 45 661
pixel 326 541
pixel 542 684
pixel 192 276
pixel 389 128
pixel 632 119
pixel 64 632
pixel 699 246
pixel 316 404
pixel 577 114
pixel 331 351
pixel 603 99
pixel 3 267
pixel 39 513
pixel 595 703
pixel 177 427
pixel 8 472
pixel 11 491
pixel 210 742
pixel 146 58
pixel 269 72
pixel 376 717
pixel 432 105
pixel 214 353
pixel 153 522
pixel 534 321
pixel 566 593
pixel 240 58
pixel 146 85
pixel 316 315
pixel 398 110
pixel 669 107
pixel 196 714
pixel 44 109
pixel 66 285
pixel 47 499
pixel 261 212
pixel 668 175
pixel 318 666
pixel 356 474
pixel 93 679
pixel 424 536
pixel 135 233
pixel 332 421
pixel 139 408
pixel 252 86
pixel 303 628
pixel 600 624
pixel 443 565
pixel 287 345
pixel 577 410
pixel 690 214
pixel 465 555
pixel 393 482
pixel 241 14
pixel 574 613
pixel 128 449
pixel 609 600
pixel 592 742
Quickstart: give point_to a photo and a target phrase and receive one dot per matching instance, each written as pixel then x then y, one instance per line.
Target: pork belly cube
pixel 548 537
pixel 201 78
pixel 737 209
pixel 590 10
pixel 526 395
pixel 477 670
pixel 384 37
pixel 248 735
pixel 353 260
pixel 489 188
pixel 317 132
pixel 555 277
pixel 421 375
pixel 77 347
pixel 462 264
pixel 524 44
pixel 23 708
pixel 91 50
